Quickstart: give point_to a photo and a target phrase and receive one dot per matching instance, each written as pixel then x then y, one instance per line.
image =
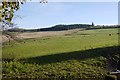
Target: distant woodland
pixel 62 27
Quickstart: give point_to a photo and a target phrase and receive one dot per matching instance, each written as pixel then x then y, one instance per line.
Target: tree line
pixel 62 27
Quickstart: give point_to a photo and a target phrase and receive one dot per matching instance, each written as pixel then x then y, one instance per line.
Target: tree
pixel 92 24
pixel 43 1
pixel 7 9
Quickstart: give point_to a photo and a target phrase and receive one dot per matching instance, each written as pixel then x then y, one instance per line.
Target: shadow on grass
pixel 77 55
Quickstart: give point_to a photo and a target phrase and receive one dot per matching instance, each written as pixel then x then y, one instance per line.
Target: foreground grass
pixel 90 68
pixel 78 55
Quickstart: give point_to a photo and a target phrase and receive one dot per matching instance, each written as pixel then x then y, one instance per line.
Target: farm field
pixel 79 54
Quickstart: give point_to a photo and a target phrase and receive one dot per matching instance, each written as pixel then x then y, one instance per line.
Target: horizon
pixel 63 24
pixel 35 15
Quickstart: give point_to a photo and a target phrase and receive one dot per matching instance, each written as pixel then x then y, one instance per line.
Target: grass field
pixel 81 54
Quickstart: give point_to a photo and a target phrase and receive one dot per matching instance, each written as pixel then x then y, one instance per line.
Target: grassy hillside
pixel 82 54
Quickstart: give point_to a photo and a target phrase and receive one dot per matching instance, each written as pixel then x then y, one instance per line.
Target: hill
pixel 64 27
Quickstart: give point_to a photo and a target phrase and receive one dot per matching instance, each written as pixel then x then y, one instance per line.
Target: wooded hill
pixel 62 27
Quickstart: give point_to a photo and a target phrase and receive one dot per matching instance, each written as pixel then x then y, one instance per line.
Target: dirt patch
pixel 4 38
pixel 28 35
pixel 47 33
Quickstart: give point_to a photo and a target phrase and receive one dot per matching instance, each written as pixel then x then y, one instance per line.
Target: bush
pixel 110 77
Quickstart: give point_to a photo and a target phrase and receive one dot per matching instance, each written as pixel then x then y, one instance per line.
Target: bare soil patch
pixel 27 35
pixel 47 33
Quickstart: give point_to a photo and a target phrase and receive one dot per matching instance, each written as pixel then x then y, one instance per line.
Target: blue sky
pixel 119 13
pixel 36 15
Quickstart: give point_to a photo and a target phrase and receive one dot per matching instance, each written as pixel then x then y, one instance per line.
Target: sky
pixel 36 15
pixel 119 13
pixel 76 0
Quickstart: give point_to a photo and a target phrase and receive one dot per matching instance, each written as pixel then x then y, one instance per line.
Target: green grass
pixel 79 55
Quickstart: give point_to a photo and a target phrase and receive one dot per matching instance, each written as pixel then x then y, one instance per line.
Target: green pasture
pixel 78 55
